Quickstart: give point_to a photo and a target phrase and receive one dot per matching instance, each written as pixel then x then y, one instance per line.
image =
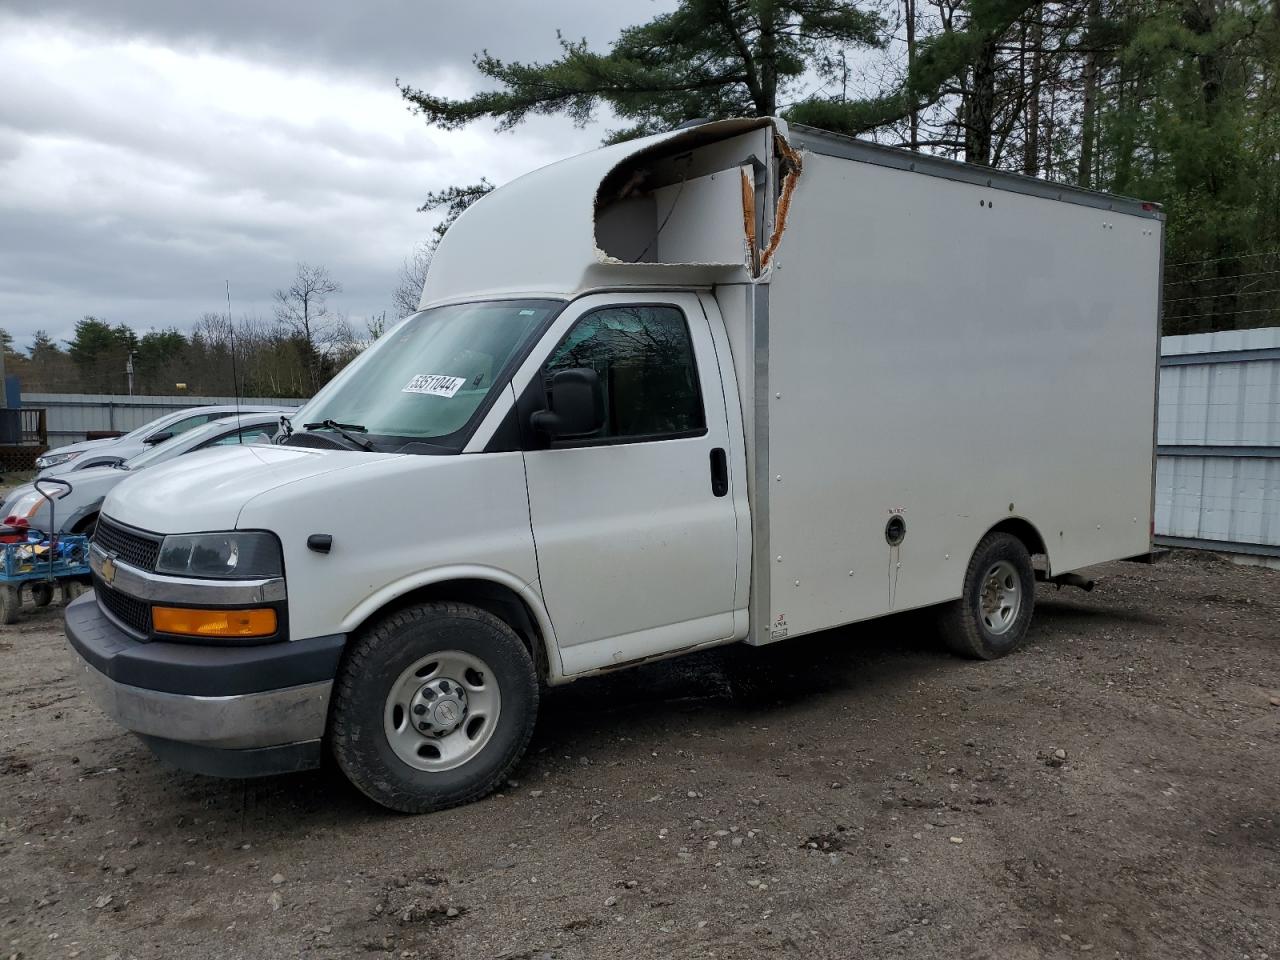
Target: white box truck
pixel 736 382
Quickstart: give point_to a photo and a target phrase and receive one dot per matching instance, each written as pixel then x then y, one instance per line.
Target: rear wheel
pixel 433 707
pixel 991 618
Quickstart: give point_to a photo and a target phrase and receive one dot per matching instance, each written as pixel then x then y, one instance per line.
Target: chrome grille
pixel 130 546
pixel 130 611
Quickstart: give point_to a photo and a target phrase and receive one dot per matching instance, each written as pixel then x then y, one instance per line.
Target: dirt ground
pixel 863 795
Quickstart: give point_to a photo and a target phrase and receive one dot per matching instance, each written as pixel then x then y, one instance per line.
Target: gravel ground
pixel 1113 788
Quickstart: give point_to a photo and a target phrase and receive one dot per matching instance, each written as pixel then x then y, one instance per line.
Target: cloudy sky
pixel 151 149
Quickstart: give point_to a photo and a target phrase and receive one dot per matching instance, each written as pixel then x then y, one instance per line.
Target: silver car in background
pixel 76 503
pixel 116 450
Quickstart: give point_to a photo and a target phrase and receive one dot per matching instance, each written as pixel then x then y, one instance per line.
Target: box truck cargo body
pixel 737 382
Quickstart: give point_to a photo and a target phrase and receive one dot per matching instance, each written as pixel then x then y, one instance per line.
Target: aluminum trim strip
pixel 1220 356
pixel 850 148
pixel 1221 546
pixel 1155 399
pixel 1193 450
pixel 157 588
pixel 761 595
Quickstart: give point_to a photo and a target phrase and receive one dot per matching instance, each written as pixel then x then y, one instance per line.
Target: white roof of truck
pixel 671 208
pixel 536 235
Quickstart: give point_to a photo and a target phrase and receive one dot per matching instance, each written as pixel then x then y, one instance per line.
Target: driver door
pixel 634 525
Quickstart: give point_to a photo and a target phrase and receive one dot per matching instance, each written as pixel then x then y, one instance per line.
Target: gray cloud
pixel 150 151
pixel 385 38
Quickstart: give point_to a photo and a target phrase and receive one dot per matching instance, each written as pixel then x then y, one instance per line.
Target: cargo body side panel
pixel 957 355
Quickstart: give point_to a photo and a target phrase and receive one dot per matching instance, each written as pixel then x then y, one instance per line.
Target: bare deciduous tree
pixel 413 274
pixel 349 342
pixel 304 309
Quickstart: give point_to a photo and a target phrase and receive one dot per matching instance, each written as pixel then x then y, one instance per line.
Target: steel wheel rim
pixel 442 710
pixel 1001 599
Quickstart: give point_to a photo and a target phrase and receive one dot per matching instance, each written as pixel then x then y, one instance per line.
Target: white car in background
pixel 78 496
pixel 116 450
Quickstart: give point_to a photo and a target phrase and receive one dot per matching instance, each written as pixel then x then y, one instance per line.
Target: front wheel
pixel 991 618
pixel 433 707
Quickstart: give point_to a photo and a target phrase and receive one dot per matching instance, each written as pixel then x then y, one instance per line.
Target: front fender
pixel 528 592
pixel 70 523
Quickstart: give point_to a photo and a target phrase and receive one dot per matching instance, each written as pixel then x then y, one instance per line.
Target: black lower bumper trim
pixel 203 670
pixel 237 764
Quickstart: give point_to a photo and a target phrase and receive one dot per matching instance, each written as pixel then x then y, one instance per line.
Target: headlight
pixel 229 556
pixel 27 505
pixel 55 459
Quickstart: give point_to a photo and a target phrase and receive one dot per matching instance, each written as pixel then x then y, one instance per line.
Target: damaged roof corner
pixel 696 198
pixel 790 165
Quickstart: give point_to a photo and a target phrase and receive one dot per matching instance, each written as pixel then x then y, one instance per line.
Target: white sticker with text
pixel 434 384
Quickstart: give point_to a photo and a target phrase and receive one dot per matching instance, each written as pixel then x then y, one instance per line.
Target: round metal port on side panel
pixel 895 531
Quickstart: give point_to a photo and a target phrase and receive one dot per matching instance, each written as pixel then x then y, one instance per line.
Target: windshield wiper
pixel 343 428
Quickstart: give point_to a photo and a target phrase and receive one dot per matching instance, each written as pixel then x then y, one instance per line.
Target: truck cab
pixel 592 447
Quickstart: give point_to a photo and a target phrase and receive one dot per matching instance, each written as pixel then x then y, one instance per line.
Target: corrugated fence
pixel 73 415
pixel 1218 467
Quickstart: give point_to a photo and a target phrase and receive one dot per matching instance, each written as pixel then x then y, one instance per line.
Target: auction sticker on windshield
pixel 434 384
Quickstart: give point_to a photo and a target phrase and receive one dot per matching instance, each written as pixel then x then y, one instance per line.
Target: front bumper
pixel 224 711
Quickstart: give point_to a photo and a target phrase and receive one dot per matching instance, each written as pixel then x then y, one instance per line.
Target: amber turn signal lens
pixel 214 623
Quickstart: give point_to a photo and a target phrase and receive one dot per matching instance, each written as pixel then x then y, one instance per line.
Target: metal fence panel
pixel 1218 469
pixel 73 415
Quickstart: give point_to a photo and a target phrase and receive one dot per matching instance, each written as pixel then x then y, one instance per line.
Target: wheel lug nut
pixel 419 709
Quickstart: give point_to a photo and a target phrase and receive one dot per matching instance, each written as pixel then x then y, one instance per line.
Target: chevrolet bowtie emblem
pixel 108 570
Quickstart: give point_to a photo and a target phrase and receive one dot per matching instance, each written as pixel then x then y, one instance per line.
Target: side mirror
pixel 160 437
pixel 576 403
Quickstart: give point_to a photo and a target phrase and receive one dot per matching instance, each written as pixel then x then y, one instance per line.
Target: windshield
pixel 426 377
pixel 176 445
pixel 151 426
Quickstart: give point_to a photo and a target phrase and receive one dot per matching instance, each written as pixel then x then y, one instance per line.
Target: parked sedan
pixel 116 450
pixel 76 505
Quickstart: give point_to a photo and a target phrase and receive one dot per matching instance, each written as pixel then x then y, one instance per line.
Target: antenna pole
pixel 235 381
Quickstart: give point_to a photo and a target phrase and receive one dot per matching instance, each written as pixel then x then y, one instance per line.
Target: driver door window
pixel 644 359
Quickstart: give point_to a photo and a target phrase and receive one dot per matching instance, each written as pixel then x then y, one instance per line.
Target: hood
pixel 85 445
pixel 91 476
pixel 207 490
pixel 87 488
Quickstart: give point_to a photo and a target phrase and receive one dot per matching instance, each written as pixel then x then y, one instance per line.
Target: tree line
pixel 291 354
pixel 1173 101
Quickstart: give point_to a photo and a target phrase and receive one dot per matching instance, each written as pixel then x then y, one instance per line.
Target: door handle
pixel 719 472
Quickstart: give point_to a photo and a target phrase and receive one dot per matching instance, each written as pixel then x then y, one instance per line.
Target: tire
pixel 10 603
pixel 41 593
pixel 416 661
pixel 86 526
pixel 991 618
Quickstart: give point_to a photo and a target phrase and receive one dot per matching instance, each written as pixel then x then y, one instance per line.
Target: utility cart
pixel 41 562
